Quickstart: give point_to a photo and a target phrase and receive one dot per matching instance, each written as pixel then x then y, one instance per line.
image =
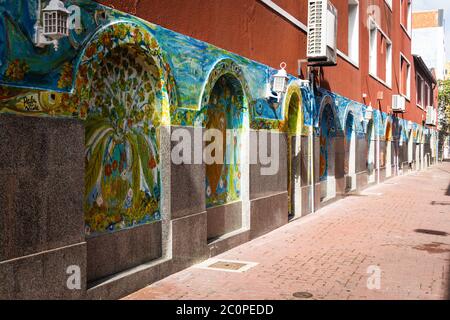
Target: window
pixel 427 97
pixel 405 77
pixel 353 30
pixel 406 15
pixel 419 91
pixel 388 75
pixel 380 55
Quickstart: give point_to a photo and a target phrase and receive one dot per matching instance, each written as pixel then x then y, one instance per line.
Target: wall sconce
pixel 410 125
pixel 55 24
pixel 279 85
pixel 368 115
pixel 280 80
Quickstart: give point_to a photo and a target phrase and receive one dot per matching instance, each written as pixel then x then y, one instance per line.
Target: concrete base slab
pixel 112 253
pixel 44 275
pixel 268 213
pixel 224 219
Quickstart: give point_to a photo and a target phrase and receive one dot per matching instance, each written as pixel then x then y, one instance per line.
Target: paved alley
pixel 390 242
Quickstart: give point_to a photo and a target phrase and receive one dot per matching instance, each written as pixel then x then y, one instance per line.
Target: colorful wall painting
pixel 225 112
pixel 181 73
pixel 327 133
pixel 123 106
pixel 349 132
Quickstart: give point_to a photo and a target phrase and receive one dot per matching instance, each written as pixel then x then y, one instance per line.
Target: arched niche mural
pixel 122 92
pixel 127 34
pixel 328 125
pixel 387 158
pixel 411 150
pixel 225 108
pixel 293 108
pixel 371 150
pixel 350 151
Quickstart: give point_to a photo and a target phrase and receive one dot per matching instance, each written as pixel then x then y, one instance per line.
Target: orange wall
pixel 251 29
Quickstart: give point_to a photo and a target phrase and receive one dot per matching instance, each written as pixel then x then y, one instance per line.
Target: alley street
pixel 401 226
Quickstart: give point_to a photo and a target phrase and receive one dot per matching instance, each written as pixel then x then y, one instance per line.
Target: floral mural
pixel 122 186
pixel 121 95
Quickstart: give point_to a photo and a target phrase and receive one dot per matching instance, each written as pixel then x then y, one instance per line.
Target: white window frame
pixel 408 77
pixel 408 27
pixel 420 93
pixel 373 54
pixel 353 30
pixel 388 61
pixel 427 94
pixel 389 3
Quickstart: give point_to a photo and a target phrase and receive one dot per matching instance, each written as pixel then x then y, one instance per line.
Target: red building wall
pixel 251 29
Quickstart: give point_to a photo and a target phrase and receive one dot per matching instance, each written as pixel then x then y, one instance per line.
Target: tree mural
pixel 122 186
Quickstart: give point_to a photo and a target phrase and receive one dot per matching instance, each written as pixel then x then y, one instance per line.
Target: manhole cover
pixel 227 265
pixel 432 232
pixel 302 295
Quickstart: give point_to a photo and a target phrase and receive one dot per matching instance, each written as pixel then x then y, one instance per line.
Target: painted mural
pixel 125 78
pixel 327 133
pixel 349 132
pixel 225 112
pixel 122 183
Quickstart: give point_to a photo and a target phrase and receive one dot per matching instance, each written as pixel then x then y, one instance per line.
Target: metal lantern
pixel 369 114
pixel 55 20
pixel 55 24
pixel 410 125
pixel 280 80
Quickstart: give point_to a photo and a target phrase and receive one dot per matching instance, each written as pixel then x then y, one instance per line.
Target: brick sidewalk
pixel 328 254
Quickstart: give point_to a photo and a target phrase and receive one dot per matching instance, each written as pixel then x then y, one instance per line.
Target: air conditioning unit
pixel 322 33
pixel 398 103
pixel 431 116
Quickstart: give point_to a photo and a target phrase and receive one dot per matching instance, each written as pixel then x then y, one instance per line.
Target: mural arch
pixel 234 72
pixel 225 108
pixel 388 134
pixel 350 151
pixel 328 102
pixel 328 124
pixel 140 40
pixel 371 150
pixel 293 110
pixel 122 130
pixel 123 90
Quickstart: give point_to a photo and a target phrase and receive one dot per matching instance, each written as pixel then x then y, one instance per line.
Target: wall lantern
pixel 410 125
pixel 280 80
pixel 368 114
pixel 55 24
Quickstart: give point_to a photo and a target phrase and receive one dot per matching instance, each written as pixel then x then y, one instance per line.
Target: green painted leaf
pixel 94 166
pixel 135 166
pixel 145 154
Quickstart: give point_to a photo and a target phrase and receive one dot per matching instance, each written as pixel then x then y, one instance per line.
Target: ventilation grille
pixel 316 28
